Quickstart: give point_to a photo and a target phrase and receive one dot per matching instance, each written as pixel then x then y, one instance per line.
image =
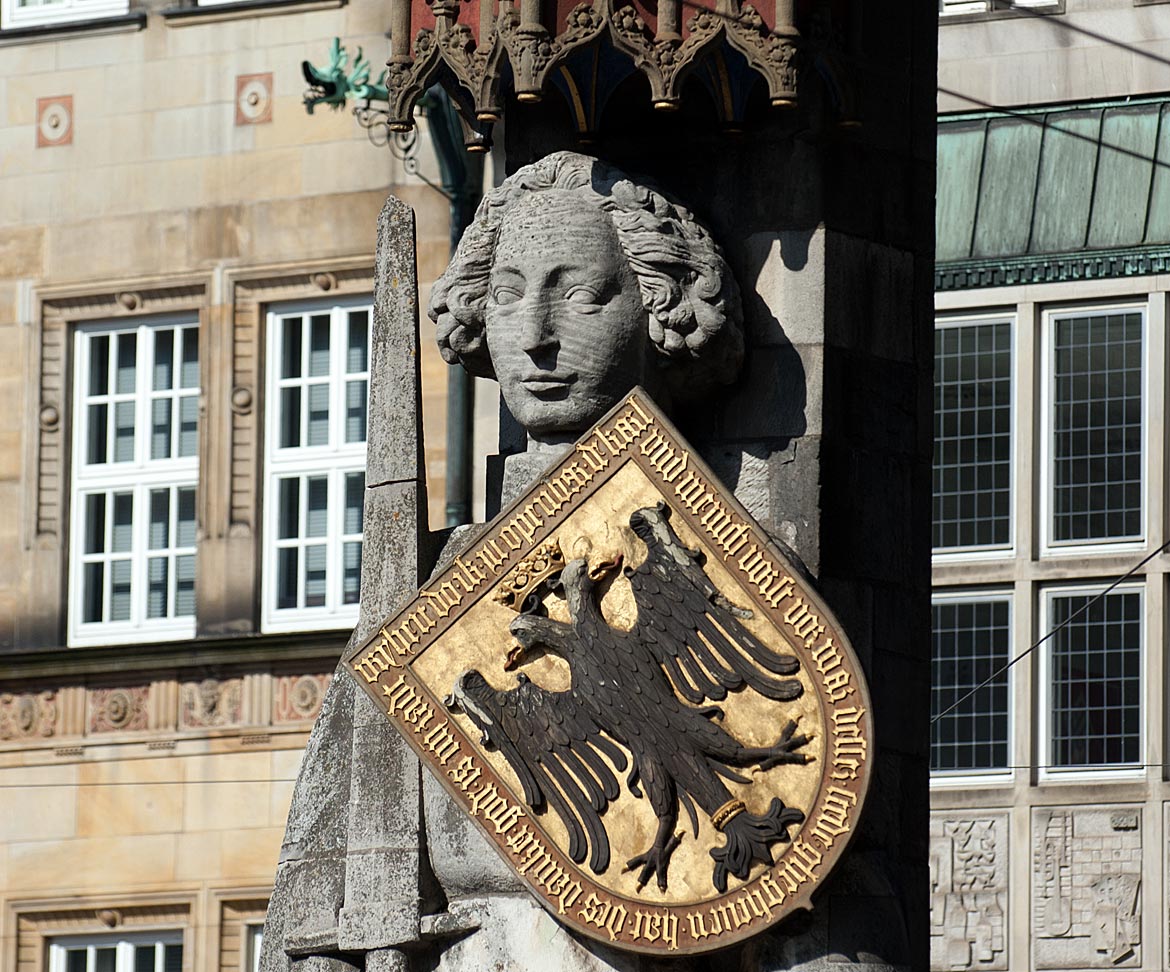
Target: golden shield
pixel 644 706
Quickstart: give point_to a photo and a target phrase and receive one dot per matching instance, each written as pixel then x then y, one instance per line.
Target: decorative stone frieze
pixel 211 703
pixel 968 891
pixel 29 715
pixel 119 709
pixel 1086 887
pixel 297 698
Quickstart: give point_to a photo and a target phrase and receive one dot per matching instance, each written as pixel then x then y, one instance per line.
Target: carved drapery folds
pixel 538 42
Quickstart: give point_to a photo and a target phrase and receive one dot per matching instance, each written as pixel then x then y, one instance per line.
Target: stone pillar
pixel 827 436
pixel 352 864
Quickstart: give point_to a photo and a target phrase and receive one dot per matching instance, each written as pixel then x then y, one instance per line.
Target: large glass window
pixel 1095 677
pixel 135 465
pixel 141 952
pixel 972 434
pixel 1095 438
pixel 316 434
pixel 971 643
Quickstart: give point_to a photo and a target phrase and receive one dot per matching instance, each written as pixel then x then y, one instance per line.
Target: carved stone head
pixel 576 282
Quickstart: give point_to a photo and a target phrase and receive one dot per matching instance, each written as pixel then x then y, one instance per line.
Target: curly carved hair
pixel 690 295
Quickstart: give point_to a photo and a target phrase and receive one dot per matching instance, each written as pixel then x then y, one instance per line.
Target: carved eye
pixel 582 295
pixel 506 295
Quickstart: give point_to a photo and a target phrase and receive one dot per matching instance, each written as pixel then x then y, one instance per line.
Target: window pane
pixel 125 383
pixel 95 523
pixel 971 642
pixel 1096 427
pixel 315 576
pixel 185 586
pixel 97 434
pixel 351 573
pixel 144 958
pixel 355 411
pixel 972 428
pixel 357 350
pixel 319 326
pixel 156 596
pixel 99 366
pixel 122 534
pixel 317 515
pixel 355 486
pixel 1096 680
pixel 290 346
pixel 173 958
pixel 124 432
pixel 288 508
pixel 290 417
pixel 160 519
pixel 163 376
pixel 286 577
pixel 75 960
pixel 120 590
pixel 105 959
pixel 318 415
pixel 188 425
pixel 160 428
pixel 93 592
pixel 189 365
pixel 185 528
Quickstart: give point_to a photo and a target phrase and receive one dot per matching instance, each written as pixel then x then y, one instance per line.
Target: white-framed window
pixel 160 951
pixel 315 449
pixel 33 13
pixel 950 7
pixel 1094 428
pixel 974 410
pixel 134 474
pixel 1092 673
pixel 971 641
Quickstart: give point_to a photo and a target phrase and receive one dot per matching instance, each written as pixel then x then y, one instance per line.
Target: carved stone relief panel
pixel 968 891
pixel 28 715
pixel 210 703
pixel 1086 887
pixel 119 709
pixel 297 698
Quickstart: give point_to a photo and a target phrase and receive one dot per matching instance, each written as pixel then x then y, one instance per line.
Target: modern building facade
pixel 186 263
pixel 1050 803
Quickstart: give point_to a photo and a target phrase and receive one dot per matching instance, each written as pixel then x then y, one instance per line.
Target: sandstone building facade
pixel 186 265
pixel 1049 796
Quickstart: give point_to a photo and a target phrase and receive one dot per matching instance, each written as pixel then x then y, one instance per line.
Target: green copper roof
pixel 1052 193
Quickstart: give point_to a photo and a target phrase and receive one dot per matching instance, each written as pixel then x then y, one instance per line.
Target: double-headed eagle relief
pixel 636 700
pixel 636 697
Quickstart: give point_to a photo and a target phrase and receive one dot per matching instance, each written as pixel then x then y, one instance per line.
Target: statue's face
pixel 566 328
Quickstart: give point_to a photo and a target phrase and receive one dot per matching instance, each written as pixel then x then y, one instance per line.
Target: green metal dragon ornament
pixel 332 86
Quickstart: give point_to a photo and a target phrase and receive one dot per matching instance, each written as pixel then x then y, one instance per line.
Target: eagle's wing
pixel 555 747
pixel 694 631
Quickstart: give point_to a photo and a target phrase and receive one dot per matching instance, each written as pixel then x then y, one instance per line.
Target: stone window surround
pixel 1005 10
pixel 230 306
pixel 33 924
pixel 1026 571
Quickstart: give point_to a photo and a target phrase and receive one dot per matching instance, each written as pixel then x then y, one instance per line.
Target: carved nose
pixel 539 331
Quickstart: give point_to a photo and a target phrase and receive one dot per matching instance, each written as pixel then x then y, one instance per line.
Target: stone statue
pixel 575 283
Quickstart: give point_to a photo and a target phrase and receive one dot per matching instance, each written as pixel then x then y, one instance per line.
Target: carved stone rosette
pixel 28 715
pixel 515 36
